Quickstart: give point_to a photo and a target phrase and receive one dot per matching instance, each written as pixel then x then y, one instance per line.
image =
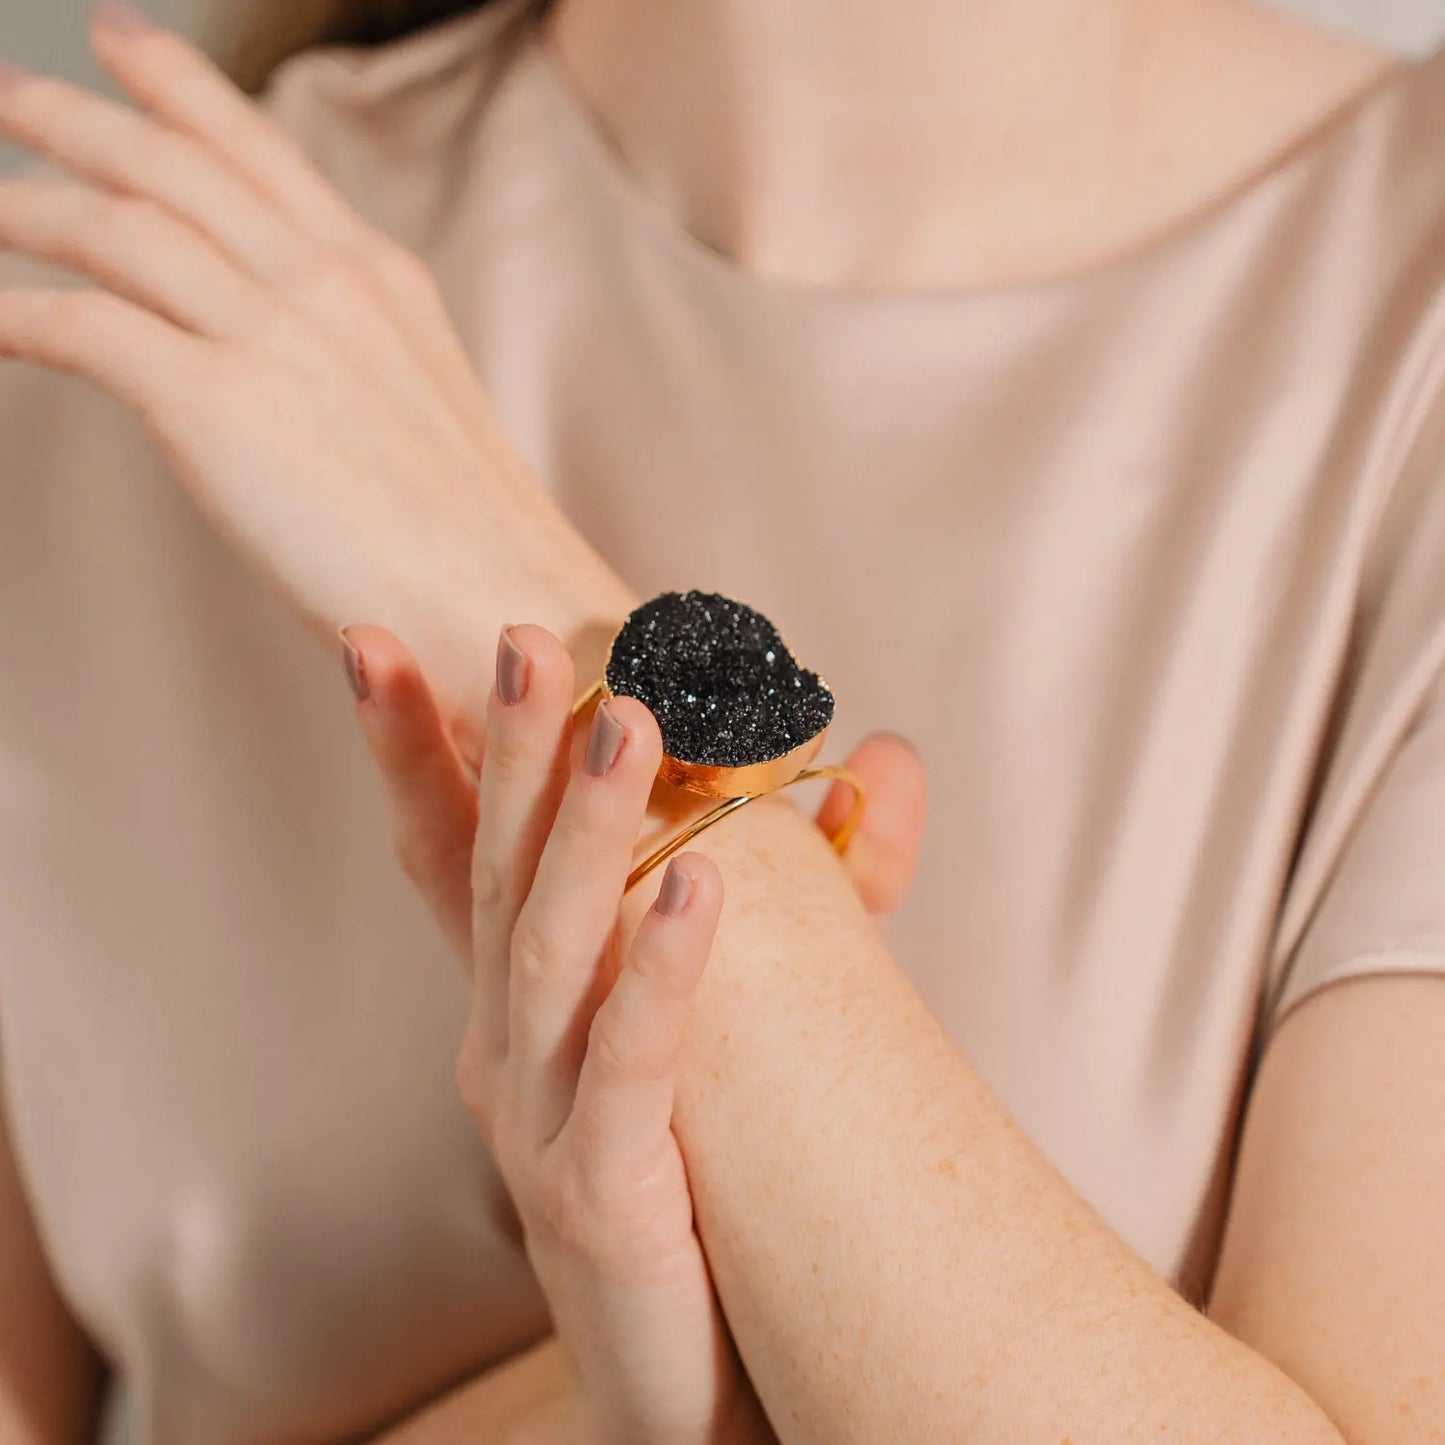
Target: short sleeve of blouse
pixel 1367 891
pixel 1383 910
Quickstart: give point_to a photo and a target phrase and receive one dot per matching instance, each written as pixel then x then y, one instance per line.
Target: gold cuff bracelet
pixel 739 717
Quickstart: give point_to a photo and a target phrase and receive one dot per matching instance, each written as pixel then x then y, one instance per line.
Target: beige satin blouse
pixel 1150 562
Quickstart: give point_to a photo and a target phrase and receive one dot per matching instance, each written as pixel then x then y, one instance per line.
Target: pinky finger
pixel 623 1106
pixel 433 801
pixel 122 348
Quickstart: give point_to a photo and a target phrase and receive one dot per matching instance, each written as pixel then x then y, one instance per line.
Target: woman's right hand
pixel 575 1030
pixel 297 367
pixel 432 795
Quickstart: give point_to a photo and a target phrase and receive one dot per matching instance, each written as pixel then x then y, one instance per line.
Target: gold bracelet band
pixel 840 838
pixel 758 669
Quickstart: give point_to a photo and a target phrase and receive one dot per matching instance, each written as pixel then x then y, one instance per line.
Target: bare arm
pixel 48 1373
pixel 521 1402
pixel 1334 1260
pixel 896 1259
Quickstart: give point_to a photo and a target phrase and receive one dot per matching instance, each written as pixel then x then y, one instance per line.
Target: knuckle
pixel 561 1205
pixel 469 1083
pixel 473 1085
pixel 510 1144
pixel 399 267
pixel 430 858
pixel 329 278
pixel 510 758
pixel 611 1044
pixel 580 830
pixel 414 854
pixel 533 953
pixel 489 884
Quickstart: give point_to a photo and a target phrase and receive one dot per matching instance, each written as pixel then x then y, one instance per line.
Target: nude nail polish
pixel 675 892
pixel 604 742
pixel 512 669
pixel 121 19
pixel 355 666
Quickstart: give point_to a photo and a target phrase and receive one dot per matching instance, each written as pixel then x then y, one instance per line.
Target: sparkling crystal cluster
pixel 724 688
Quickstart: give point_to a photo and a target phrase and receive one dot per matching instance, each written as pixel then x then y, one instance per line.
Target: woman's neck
pixel 940 143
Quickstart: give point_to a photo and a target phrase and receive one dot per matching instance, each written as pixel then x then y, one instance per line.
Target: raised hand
pixel 297 367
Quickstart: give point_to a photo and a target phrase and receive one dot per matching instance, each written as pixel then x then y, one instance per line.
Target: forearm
pixel 895 1258
pixel 531 1399
pixel 525 1401
pixel 897 1261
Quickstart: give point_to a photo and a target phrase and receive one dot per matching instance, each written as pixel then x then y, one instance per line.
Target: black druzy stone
pixel 724 688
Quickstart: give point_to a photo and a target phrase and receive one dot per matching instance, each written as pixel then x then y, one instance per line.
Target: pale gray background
pixel 49 34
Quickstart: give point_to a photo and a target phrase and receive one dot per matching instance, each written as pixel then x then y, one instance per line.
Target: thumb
pixel 884 851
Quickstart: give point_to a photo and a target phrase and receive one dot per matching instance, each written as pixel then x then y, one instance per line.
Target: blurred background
pixel 48 34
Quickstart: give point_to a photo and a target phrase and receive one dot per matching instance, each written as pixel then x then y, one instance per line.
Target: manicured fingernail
pixel 676 889
pixel 121 19
pixel 604 742
pixel 899 738
pixel 355 666
pixel 512 669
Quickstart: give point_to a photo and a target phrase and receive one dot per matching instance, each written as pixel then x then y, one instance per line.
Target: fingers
pixel 176 82
pixel 112 343
pixel 130 154
pixel 884 852
pixel 569 919
pixel 208 157
pixel 433 802
pixel 623 1105
pixel 131 247
pixel 523 774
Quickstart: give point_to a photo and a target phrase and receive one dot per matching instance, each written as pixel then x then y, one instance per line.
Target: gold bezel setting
pixel 734 786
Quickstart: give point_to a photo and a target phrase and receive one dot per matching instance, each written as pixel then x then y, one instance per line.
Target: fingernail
pixel 899 738
pixel 355 666
pixel 512 669
pixel 676 889
pixel 121 19
pixel 10 76
pixel 604 742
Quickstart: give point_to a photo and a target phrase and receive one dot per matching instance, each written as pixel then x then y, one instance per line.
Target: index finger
pixel 176 82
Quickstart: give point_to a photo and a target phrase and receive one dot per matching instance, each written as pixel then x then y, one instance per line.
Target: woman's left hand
pixel 297 367
pixel 574 1030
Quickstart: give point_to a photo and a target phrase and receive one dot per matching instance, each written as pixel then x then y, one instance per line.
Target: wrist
pixel 512 557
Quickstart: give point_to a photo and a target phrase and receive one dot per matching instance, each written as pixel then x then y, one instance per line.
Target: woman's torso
pixel 1101 547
